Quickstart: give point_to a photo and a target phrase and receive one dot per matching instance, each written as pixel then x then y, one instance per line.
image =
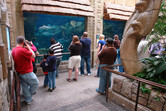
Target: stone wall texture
pixel 4 90
pixel 124 92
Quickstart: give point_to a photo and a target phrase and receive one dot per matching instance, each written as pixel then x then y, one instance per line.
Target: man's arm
pixel 101 53
pixel 61 47
pixel 98 49
pixel 29 48
pixel 139 49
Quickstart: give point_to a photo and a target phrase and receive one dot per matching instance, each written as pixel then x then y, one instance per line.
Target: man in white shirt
pixel 141 51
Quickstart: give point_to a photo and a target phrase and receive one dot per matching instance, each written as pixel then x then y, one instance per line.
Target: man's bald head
pixel 20 39
pixel 85 34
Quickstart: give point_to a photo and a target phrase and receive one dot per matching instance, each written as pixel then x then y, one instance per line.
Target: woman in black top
pixel 75 58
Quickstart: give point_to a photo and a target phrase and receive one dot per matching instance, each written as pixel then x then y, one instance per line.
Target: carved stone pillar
pixel 95 25
pixel 19 18
pixel 139 25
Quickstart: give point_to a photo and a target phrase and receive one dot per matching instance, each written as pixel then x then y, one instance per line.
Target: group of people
pixel 24 57
pixel 80 53
pixel 24 54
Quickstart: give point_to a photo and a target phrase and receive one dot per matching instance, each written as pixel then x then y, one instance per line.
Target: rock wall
pixel 124 93
pixel 4 90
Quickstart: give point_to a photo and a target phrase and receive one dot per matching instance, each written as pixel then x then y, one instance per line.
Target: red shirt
pixel 22 60
pixel 45 72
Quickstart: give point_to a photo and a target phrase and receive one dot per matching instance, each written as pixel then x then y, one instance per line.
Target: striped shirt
pixel 58 49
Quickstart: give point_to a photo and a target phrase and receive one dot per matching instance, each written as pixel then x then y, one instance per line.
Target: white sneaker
pixel 28 103
pixel 89 74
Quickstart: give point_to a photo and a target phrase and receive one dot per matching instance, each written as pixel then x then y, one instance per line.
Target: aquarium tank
pixel 111 28
pixel 40 28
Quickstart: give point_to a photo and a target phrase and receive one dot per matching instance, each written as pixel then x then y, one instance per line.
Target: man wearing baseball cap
pixel 107 56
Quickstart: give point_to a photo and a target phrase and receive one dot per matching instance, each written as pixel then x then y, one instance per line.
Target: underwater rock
pixel 73 23
pixel 78 24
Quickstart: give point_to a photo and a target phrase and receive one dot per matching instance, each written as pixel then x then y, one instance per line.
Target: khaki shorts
pixel 74 61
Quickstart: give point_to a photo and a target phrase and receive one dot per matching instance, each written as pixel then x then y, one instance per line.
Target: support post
pixel 3 61
pixel 108 79
pixel 137 96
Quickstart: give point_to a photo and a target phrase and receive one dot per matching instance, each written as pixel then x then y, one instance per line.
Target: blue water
pixel 40 28
pixel 111 28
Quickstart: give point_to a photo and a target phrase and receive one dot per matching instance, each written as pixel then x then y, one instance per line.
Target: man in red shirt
pixel 22 55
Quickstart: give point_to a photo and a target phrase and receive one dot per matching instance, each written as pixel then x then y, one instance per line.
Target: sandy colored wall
pixel 123 2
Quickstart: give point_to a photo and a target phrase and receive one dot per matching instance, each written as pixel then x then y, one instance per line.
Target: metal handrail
pixel 131 77
pixel 65 53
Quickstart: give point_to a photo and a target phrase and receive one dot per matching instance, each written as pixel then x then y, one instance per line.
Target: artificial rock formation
pixel 139 25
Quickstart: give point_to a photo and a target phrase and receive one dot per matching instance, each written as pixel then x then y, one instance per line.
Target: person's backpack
pixel 44 66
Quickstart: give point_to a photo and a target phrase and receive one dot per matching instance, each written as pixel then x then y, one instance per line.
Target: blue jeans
pixel 121 68
pixel 103 79
pixel 98 69
pixel 86 59
pixel 116 61
pixel 51 79
pixel 29 83
pixel 58 61
pixel 46 80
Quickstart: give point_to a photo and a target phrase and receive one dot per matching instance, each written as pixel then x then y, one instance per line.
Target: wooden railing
pixel 65 53
pixel 3 60
pixel 15 94
pixel 107 68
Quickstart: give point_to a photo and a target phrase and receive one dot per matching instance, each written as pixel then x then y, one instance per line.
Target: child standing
pixel 44 66
pixel 51 60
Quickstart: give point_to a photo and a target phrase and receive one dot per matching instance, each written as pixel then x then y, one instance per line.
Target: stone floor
pixel 71 96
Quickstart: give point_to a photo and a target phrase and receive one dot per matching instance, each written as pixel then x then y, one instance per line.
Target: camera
pixel 25 44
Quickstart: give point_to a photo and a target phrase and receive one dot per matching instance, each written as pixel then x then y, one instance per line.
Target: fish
pixel 44 27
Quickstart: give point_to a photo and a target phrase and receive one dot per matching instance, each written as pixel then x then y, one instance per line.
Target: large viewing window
pixel 40 28
pixel 111 28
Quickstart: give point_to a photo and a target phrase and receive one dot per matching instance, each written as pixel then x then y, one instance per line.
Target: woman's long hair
pixel 76 39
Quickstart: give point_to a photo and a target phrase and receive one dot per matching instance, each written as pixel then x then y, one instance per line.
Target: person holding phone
pixel 75 58
pixel 22 55
pixel 85 54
